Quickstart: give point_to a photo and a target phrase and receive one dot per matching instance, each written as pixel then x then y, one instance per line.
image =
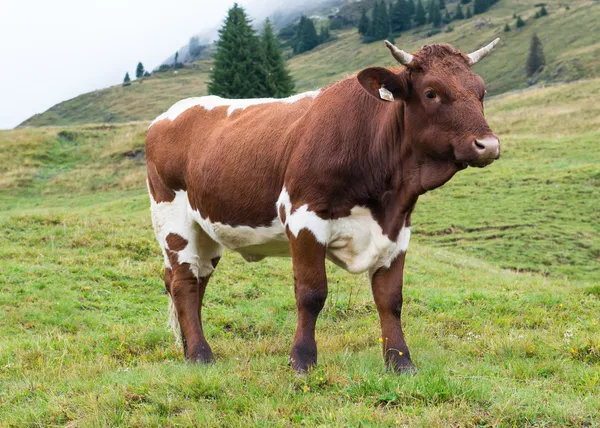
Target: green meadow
pixel 502 294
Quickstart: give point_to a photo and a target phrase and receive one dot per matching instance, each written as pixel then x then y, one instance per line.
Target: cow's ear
pixel 381 82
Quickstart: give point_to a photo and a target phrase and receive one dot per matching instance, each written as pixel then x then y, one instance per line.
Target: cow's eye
pixel 430 94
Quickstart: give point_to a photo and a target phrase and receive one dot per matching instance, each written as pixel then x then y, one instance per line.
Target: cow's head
pixel 442 103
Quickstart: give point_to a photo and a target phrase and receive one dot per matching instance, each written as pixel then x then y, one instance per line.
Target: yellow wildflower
pixel 380 340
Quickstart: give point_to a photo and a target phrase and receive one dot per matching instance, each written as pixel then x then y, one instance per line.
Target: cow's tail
pixel 173 322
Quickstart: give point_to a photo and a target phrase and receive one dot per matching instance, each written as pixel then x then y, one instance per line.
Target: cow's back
pixel 229 155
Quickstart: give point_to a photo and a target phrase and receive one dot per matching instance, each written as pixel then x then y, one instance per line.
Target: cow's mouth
pixel 481 163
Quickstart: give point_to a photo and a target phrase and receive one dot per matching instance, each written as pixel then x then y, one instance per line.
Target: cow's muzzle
pixel 487 151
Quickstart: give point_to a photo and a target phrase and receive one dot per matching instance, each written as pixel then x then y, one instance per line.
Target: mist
pixel 54 51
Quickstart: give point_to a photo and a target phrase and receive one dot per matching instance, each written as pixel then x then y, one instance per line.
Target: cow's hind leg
pixel 190 258
pixel 187 292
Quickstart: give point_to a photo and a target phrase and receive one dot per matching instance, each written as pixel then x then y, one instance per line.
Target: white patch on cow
pixel 253 243
pixel 175 217
pixel 302 218
pixel 243 104
pixel 212 101
pixel 356 243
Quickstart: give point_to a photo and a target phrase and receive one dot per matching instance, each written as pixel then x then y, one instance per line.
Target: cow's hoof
pixel 408 369
pixel 202 354
pixel 400 363
pixel 302 359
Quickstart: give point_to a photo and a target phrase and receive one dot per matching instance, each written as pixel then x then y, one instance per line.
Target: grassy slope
pixel 83 339
pixel 571 48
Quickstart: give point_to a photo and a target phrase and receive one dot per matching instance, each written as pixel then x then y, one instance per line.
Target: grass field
pixel 569 38
pixel 502 294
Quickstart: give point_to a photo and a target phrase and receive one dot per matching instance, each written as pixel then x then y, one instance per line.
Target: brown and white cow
pixel 331 174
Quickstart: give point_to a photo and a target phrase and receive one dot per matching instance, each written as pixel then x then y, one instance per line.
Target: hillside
pixel 569 39
pixel 501 294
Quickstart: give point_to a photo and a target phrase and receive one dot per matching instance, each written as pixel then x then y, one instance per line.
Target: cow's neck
pixel 408 173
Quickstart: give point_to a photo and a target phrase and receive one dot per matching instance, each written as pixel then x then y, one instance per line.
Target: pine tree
pixel 176 59
pixel 465 1
pixel 306 36
pixel 364 23
pixel 431 12
pixel 420 14
pixel 400 16
pixel 543 11
pixel 279 83
pixel 536 60
pixel 506 28
pixel 447 19
pixel 436 19
pixel 139 71
pixel 520 23
pixel 238 70
pixel 442 4
pixel 380 25
pixel 469 13
pixel 459 13
pixel 480 6
pixel 324 35
pixel 127 80
pixel 411 8
pixel 396 16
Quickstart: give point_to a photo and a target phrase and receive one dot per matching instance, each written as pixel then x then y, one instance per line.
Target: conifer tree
pixel 520 23
pixel 420 18
pixel 436 18
pixel 395 17
pixel 432 7
pixel 506 28
pixel 139 71
pixel 536 60
pixel 306 36
pixel 411 8
pixel 176 58
pixel 447 19
pixel 127 80
pixel 459 13
pixel 238 70
pixel 364 23
pixel 279 83
pixel 480 6
pixel 324 35
pixel 441 4
pixel 465 1
pixel 380 25
pixel 469 13
pixel 543 11
pixel 400 16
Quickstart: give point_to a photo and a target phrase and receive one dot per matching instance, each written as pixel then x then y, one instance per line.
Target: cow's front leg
pixel 387 292
pixel 310 286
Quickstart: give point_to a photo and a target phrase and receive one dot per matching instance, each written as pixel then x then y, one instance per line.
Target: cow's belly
pixel 355 243
pixel 254 243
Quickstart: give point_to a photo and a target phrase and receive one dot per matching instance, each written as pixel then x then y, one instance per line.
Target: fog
pixel 51 51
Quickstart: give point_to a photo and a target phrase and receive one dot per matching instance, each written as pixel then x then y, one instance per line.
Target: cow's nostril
pixel 479 145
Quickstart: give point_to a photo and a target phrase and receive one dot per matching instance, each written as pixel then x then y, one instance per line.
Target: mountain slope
pixel 569 39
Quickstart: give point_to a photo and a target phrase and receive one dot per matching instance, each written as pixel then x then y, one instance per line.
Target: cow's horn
pixel 401 56
pixel 477 56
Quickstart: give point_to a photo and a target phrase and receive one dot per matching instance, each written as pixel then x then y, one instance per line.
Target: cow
pixel 331 174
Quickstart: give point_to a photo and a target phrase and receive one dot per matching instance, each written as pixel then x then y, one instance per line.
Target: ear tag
pixel 385 94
